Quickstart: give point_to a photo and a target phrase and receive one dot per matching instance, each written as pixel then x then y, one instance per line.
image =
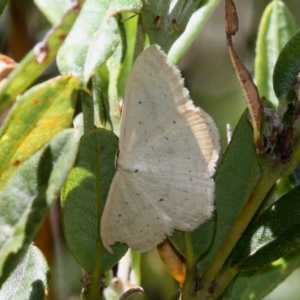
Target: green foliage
pixel 248 247
pixel 3 4
pixel 90 180
pixel 286 69
pixel 37 60
pixel 29 194
pixel 32 274
pixel 276 27
pixel 95 36
pixel 271 236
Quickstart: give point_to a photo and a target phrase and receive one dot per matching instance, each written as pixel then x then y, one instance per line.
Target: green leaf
pixel 255 285
pixel 39 114
pixel 29 280
pixel 273 235
pixel 29 194
pixel 37 60
pixel 276 27
pixel 100 102
pixel 200 242
pixel 195 24
pixel 131 27
pixel 238 162
pixel 3 4
pixel 53 9
pixel 286 69
pixel 92 39
pixel 105 83
pixel 164 26
pixel 232 190
pixel 83 199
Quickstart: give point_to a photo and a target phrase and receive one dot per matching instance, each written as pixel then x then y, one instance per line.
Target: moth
pixel 168 150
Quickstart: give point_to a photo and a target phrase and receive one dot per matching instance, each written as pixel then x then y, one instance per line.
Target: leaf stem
pixel 188 292
pixel 224 280
pixel 190 259
pixel 264 184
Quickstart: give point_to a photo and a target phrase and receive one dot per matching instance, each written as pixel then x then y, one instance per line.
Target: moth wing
pixel 131 217
pixel 155 103
pixel 168 152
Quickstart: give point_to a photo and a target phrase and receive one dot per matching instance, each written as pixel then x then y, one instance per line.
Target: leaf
pixel 195 24
pixel 238 162
pixel 114 68
pixel 83 199
pixel 249 88
pixel 39 114
pixel 276 27
pixel 172 260
pixel 131 26
pixel 164 23
pixel 200 242
pixel 37 60
pixel 29 194
pixel 105 84
pixel 273 235
pixel 232 190
pixel 286 69
pixel 30 279
pixel 93 36
pixel 53 9
pixel 100 102
pixel 3 4
pixel 257 284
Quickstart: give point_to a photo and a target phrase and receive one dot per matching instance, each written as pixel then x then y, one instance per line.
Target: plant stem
pixel 224 280
pixel 190 259
pixel 188 292
pixel 264 184
pixel 271 170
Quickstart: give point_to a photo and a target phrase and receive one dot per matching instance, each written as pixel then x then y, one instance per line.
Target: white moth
pixel 167 154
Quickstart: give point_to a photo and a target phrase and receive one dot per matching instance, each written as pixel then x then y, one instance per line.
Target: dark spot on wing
pixel 161 199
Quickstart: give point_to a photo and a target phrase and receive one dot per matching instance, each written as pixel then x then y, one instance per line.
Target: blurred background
pixel 212 83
